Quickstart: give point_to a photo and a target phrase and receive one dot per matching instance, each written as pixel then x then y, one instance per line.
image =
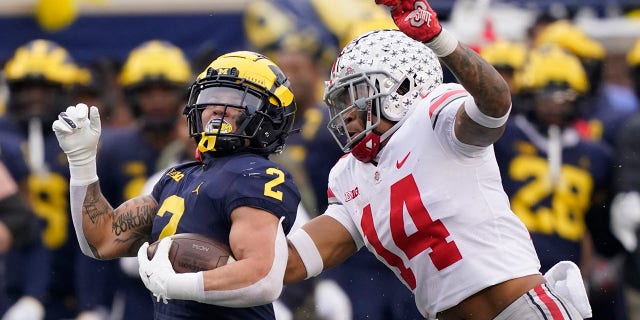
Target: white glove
pixel 78 131
pixel 130 266
pixel 159 277
pixel 26 308
pixel 625 218
pixel 98 314
pixel 332 303
pixel 281 311
pixel 566 279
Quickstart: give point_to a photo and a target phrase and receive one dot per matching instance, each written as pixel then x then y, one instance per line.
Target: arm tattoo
pixel 485 84
pixel 129 225
pixel 132 222
pixel 95 206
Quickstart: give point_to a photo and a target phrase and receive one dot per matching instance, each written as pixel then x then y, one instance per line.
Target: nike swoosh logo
pixel 400 163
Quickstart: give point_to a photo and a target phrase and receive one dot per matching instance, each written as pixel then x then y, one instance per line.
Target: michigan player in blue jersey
pixel 40 75
pixel 240 111
pixel 555 179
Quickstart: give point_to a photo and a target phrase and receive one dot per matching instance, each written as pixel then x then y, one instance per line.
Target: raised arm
pixel 102 232
pixel 481 121
pixel 482 124
pixel 112 233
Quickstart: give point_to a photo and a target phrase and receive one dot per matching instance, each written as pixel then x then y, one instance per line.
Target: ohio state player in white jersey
pixel 420 187
pixel 433 209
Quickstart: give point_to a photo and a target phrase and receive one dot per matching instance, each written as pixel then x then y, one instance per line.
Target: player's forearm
pixel 91 214
pixel 238 274
pixel 488 88
pixel 119 232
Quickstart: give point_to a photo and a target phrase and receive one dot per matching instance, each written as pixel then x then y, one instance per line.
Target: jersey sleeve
pixel 338 211
pixel 340 214
pixel 265 186
pixel 444 103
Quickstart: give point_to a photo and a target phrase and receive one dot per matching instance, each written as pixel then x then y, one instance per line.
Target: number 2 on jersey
pixel 430 234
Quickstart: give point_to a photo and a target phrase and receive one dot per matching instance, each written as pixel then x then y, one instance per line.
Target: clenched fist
pixel 78 131
pixel 415 18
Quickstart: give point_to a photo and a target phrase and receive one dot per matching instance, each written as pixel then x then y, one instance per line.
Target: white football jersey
pixel 433 209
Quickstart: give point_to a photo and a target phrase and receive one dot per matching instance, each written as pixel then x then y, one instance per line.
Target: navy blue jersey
pixel 12 155
pixel 49 199
pixel 199 197
pixel 125 161
pixel 555 214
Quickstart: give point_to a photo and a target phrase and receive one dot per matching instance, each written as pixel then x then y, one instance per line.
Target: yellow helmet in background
pixel 265 24
pixel 551 65
pixel 633 60
pixel 45 65
pixel 271 26
pixel 41 61
pixel 155 61
pixel 568 36
pixel 590 52
pixel 256 86
pixel 348 20
pixel 633 56
pixel 505 54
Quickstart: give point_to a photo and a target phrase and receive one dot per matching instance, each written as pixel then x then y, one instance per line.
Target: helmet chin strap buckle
pixel 367 149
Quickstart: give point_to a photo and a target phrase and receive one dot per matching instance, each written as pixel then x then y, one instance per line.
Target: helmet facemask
pixel 250 101
pixel 354 94
pixel 251 128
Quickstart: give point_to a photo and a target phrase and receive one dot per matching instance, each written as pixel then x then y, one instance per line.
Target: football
pixel 191 252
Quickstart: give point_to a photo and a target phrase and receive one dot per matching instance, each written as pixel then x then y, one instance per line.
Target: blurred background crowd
pixel 570 156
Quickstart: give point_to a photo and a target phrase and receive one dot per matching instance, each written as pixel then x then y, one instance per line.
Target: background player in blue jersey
pixel 40 75
pixel 240 110
pixel 556 180
pixel 549 173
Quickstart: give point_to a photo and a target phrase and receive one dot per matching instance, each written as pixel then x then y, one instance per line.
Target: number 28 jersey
pixel 433 209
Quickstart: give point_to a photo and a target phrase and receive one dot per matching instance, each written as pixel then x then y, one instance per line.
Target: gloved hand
pixel 331 301
pixel 26 308
pixel 97 314
pixel 130 266
pixel 625 218
pixel 281 311
pixel 78 131
pixel 159 277
pixel 415 18
pixel 566 279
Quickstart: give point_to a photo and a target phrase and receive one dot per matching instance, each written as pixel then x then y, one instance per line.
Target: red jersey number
pixel 430 234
